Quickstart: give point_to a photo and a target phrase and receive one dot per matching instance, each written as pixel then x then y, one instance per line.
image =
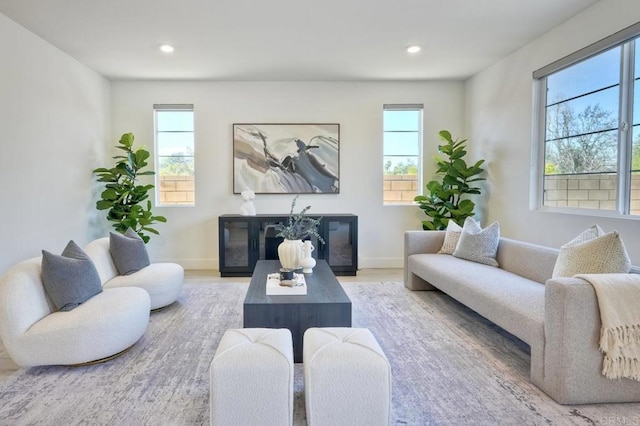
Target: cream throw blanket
pixel 619 301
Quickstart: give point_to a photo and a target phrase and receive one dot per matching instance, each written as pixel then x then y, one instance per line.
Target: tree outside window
pixel 591 131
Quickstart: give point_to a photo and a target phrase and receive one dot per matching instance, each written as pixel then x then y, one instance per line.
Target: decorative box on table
pixel 275 289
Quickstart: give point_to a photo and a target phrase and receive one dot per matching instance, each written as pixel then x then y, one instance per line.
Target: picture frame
pixel 286 158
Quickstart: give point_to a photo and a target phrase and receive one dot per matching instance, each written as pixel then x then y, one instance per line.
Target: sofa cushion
pixel 451 238
pixel 592 252
pixel 98 251
pixel 104 325
pixel 477 244
pixel 512 302
pixel 539 262
pixel 163 282
pixel 128 251
pixel 70 278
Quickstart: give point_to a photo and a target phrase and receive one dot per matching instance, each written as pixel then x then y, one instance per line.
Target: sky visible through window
pixel 583 114
pixel 595 73
pixel 401 137
pixel 174 132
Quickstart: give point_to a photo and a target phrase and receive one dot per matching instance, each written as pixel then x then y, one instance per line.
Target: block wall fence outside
pixel 400 189
pixel 176 190
pixel 581 191
pixel 591 191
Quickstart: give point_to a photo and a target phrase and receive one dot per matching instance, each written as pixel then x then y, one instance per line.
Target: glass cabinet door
pixel 236 243
pixel 268 242
pixel 339 250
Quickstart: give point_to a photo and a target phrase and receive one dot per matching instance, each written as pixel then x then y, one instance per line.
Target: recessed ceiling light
pixel 413 49
pixel 167 48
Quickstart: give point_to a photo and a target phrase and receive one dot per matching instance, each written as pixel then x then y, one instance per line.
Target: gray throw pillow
pixel 477 244
pixel 71 278
pixel 128 252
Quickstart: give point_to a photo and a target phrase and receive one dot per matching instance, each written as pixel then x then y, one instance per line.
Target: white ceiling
pixel 290 39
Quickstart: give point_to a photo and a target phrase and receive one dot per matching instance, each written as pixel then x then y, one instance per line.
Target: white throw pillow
pixel 451 238
pixel 477 244
pixel 592 252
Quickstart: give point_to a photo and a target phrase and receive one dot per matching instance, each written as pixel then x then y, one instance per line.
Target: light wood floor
pixel 7 366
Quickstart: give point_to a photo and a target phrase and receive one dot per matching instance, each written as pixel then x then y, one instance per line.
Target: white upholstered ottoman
pixel 252 378
pixel 347 378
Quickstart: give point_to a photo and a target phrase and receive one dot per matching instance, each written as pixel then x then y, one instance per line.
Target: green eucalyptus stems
pixel 299 226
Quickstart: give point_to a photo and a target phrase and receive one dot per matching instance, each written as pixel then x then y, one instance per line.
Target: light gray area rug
pixel 450 367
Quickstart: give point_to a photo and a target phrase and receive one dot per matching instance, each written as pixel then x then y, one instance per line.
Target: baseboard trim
pixel 380 262
pixel 363 263
pixel 197 264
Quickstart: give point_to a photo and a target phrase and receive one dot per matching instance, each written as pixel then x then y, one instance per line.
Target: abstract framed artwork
pixel 286 158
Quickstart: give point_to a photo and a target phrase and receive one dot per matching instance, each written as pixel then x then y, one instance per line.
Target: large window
pixel 174 143
pixel 402 139
pixel 588 128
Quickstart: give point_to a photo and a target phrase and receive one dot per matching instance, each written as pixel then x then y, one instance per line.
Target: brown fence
pixel 176 190
pixel 588 191
pixel 400 189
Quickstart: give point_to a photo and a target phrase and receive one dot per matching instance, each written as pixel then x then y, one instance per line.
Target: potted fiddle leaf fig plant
pixel 123 195
pixel 446 199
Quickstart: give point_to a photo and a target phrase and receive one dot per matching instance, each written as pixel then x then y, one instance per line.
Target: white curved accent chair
pixel 163 281
pixel 34 333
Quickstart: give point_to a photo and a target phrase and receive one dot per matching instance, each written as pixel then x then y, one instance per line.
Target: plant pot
pixel 290 253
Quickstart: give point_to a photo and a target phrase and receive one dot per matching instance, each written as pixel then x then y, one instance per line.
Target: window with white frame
pixel 174 148
pixel 588 128
pixel 402 151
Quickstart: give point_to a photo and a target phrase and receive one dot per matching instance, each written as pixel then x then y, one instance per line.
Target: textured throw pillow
pixel 451 238
pixel 71 278
pixel 592 252
pixel 477 244
pixel 128 252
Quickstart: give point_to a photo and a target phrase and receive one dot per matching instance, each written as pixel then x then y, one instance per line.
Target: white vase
pixel 290 253
pixel 307 261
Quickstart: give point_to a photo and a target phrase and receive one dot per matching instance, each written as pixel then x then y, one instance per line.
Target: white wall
pixel 191 235
pixel 499 113
pixel 54 124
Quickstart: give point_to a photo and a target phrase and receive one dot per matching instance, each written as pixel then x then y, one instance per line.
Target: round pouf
pixel 347 378
pixel 252 378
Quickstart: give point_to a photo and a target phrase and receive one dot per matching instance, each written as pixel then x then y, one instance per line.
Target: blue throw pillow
pixel 128 252
pixel 71 278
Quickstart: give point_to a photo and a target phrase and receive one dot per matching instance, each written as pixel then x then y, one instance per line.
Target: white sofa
pixel 163 281
pixel 558 318
pixel 35 333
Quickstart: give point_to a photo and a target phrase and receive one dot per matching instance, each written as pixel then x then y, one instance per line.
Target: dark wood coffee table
pixel 325 304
